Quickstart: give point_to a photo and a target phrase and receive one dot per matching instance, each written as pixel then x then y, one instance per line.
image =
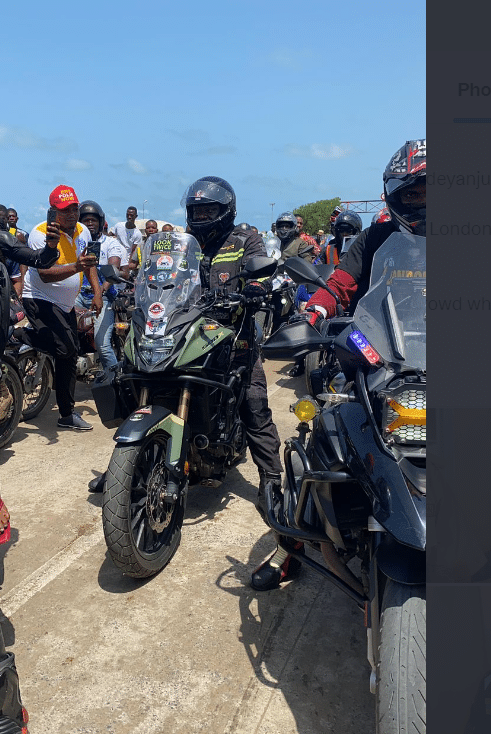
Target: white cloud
pixel 316 150
pixel 136 166
pixel 17 137
pixel 178 212
pixel 76 164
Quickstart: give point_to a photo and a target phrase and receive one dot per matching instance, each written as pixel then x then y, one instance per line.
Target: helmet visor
pixel 399 182
pixel 206 192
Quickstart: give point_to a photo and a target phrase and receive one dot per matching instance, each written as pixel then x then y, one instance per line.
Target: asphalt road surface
pixel 193 649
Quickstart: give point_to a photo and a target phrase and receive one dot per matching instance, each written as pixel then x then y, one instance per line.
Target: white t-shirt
pixel 112 247
pixel 64 292
pixel 129 238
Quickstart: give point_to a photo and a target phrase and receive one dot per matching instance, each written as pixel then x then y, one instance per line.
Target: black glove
pixel 254 289
pixel 311 315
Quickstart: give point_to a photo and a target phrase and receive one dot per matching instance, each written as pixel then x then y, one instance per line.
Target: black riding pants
pixel 262 434
pixel 55 332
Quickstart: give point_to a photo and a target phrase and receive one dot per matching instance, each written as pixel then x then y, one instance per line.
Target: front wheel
pixel 142 531
pixel 11 419
pixel 313 361
pixel 36 376
pixel 401 675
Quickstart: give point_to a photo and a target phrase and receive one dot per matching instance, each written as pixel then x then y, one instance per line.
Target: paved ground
pixel 193 649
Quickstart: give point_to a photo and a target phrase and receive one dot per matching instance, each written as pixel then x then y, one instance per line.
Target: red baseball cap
pixel 62 196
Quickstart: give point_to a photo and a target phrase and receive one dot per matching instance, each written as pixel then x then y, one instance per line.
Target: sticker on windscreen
pixel 156 310
pixel 164 262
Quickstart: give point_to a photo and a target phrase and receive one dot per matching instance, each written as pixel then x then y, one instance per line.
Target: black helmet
pixel 346 224
pixel 406 168
pixel 286 227
pixel 210 190
pixel 92 207
pixel 243 225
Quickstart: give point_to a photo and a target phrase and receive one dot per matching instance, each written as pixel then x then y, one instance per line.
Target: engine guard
pixel 151 418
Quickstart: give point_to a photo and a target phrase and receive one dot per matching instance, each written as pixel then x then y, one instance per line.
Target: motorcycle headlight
pixel 404 414
pixel 153 351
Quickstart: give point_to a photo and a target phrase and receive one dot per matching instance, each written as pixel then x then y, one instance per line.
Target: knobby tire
pixel 34 401
pixel 11 420
pixel 135 548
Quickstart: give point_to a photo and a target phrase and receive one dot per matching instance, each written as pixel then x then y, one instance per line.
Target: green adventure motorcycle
pixel 175 398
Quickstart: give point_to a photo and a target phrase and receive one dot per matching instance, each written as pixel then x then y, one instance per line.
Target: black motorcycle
pixel 176 398
pixel 355 484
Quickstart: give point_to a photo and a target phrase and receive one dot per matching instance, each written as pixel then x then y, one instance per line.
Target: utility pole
pixel 272 208
pixel 145 202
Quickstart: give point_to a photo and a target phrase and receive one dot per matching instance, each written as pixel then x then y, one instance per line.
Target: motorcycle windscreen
pixel 392 314
pixel 168 280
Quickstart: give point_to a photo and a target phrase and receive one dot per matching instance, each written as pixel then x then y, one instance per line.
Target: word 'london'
pixel 464 230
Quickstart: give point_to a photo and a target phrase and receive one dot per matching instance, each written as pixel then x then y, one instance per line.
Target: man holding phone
pixel 49 297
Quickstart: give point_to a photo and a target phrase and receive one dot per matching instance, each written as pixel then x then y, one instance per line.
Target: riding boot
pixel 281 566
pixel 97 484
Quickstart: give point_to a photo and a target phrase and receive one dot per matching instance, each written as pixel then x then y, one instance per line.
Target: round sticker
pixel 183 265
pixel 165 262
pixel 161 277
pixel 156 310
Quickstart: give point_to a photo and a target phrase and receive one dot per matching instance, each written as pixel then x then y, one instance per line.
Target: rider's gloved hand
pixel 254 289
pixel 311 315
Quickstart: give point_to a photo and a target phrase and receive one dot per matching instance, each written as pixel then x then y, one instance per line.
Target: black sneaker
pixel 74 421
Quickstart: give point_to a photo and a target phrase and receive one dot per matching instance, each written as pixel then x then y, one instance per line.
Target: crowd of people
pixel 55 267
pixel 49 294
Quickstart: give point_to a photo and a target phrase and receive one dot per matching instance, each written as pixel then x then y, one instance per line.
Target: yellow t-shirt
pixel 64 292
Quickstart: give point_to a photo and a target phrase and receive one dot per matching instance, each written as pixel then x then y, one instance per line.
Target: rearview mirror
pixel 259 267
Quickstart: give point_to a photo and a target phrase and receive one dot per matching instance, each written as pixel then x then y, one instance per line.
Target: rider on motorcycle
pixel 405 196
pixel 291 242
pixel 346 224
pixel 210 205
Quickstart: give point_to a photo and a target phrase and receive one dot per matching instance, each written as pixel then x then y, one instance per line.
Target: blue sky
pixel 132 102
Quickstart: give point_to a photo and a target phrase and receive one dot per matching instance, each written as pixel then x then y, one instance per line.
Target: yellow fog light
pixel 305 409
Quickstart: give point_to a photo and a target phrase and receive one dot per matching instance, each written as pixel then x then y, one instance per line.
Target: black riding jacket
pixel 11 249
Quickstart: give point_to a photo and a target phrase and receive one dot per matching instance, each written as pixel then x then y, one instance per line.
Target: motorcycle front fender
pixel 144 421
pixel 401 512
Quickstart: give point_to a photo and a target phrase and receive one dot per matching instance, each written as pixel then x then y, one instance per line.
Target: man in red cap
pixel 49 298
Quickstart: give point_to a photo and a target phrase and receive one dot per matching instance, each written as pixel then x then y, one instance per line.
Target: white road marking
pixel 20 594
